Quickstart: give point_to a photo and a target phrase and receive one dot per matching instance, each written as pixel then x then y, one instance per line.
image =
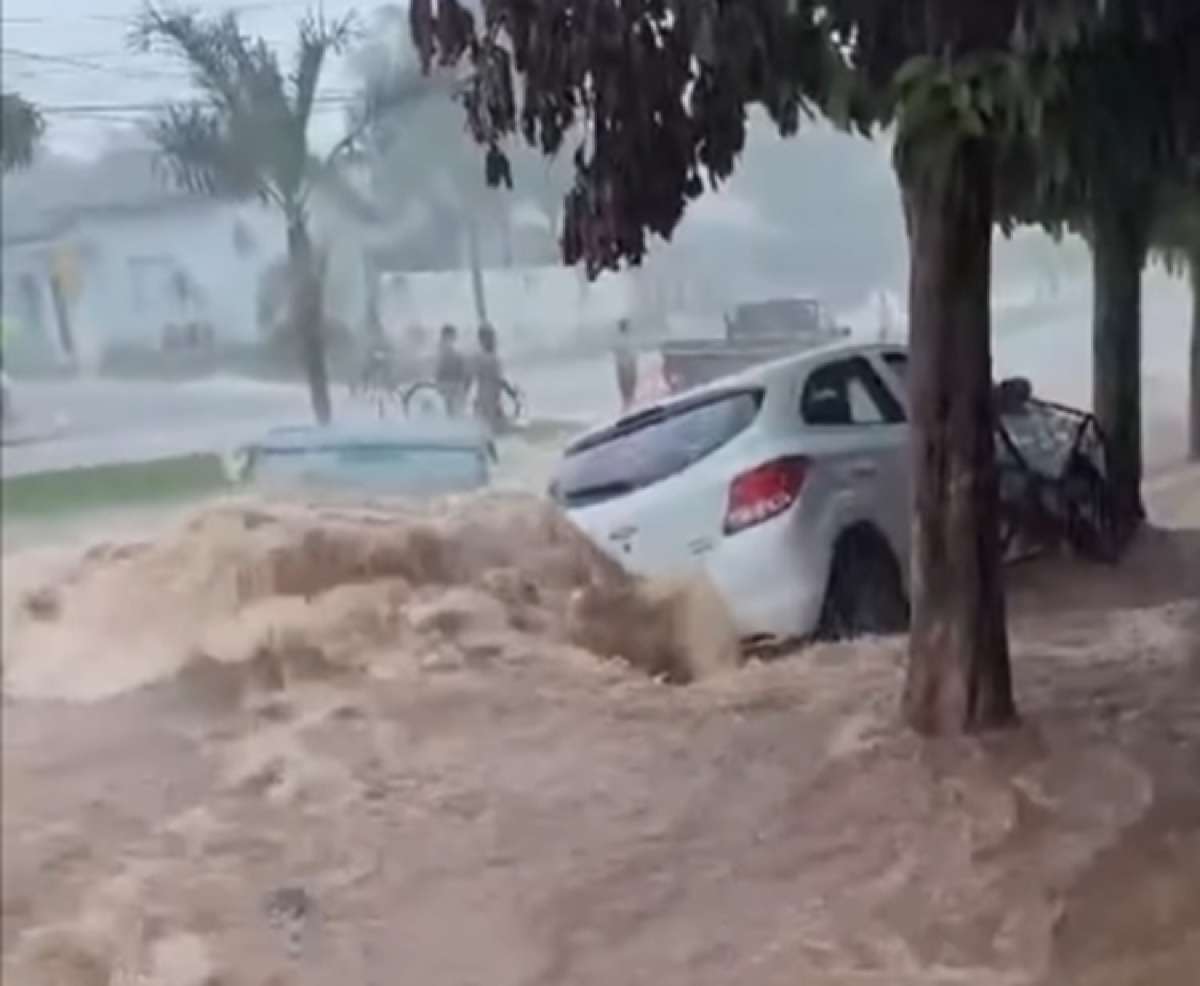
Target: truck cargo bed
pixel 689 363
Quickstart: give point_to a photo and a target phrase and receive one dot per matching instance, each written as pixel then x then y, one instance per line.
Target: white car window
pixel 863 409
pixel 651 446
pixel 898 362
pixel 848 392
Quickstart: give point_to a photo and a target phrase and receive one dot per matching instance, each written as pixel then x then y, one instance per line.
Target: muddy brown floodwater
pixel 288 745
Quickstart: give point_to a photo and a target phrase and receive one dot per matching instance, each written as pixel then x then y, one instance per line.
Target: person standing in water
pixel 625 360
pixel 490 384
pixel 451 373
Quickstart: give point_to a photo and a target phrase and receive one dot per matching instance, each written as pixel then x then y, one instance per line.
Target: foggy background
pixel 104 263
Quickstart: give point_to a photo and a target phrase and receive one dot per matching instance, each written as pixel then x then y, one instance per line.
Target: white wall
pixel 532 308
pixel 197 239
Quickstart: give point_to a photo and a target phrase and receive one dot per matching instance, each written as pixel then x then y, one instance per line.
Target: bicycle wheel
pixel 425 400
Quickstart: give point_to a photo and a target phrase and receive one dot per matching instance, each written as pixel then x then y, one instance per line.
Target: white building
pixel 108 258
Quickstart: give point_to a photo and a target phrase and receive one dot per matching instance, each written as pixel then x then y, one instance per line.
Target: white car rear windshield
pixel 650 446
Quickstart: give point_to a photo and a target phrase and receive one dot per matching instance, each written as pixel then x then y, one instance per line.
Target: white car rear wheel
pixel 865 595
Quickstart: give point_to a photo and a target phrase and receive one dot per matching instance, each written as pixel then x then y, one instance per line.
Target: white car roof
pixel 759 375
pixel 765 373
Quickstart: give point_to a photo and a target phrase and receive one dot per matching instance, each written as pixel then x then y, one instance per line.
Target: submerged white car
pixel 787 484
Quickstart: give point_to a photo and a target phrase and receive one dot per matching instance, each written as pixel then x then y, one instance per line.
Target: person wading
pixel 490 384
pixel 625 360
pixel 451 373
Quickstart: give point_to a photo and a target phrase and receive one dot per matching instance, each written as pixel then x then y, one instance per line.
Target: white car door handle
pixel 863 470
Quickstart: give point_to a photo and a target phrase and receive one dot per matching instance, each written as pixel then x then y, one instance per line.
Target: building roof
pixel 50 198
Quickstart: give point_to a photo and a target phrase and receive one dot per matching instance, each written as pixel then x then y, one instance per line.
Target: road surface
pixel 115 420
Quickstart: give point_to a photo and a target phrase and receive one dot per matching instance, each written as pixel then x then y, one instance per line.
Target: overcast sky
pixel 72 58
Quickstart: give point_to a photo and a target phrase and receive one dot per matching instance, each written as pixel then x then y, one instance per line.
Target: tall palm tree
pixel 245 135
pixel 1177 242
pixel 21 127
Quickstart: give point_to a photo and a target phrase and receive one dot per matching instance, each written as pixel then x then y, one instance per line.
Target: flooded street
pixel 125 420
pixel 258 742
pixel 338 746
pixel 115 420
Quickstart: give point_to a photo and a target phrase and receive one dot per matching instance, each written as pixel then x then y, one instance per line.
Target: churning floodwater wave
pixel 297 744
pixel 341 585
pixel 248 744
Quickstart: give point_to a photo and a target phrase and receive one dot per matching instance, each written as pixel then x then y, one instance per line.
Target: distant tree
pixel 246 135
pixel 419 154
pixel 833 206
pixel 1126 114
pixel 657 93
pixel 1176 239
pixel 20 129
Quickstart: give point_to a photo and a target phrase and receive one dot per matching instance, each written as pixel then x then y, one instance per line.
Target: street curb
pixel 153 481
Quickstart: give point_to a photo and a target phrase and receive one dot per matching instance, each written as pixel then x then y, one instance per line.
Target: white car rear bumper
pixel 771 576
pixel 772 580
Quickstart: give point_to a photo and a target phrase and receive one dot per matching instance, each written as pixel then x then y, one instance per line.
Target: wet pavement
pixel 119 420
pixel 116 420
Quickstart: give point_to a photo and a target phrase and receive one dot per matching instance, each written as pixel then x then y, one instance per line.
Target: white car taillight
pixel 764 492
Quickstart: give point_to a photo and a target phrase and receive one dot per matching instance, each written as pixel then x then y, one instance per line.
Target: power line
pixel 88 65
pixel 325 101
pixel 181 75
pixel 237 8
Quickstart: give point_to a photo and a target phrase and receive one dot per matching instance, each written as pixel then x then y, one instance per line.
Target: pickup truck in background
pixel 755 333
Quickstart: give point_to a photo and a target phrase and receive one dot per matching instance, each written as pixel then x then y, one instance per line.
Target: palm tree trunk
pixel 371 288
pixel 1120 234
pixel 307 317
pixel 475 259
pixel 1194 363
pixel 958 672
pixel 505 217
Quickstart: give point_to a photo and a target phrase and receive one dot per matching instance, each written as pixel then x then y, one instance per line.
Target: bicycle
pixel 379 382
pixel 426 398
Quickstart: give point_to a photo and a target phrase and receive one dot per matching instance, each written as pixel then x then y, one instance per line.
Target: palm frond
pixel 384 101
pixel 198 153
pixel 239 74
pixel 203 46
pixel 261 84
pixel 20 128
pixel 245 135
pixel 318 39
pixel 264 119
